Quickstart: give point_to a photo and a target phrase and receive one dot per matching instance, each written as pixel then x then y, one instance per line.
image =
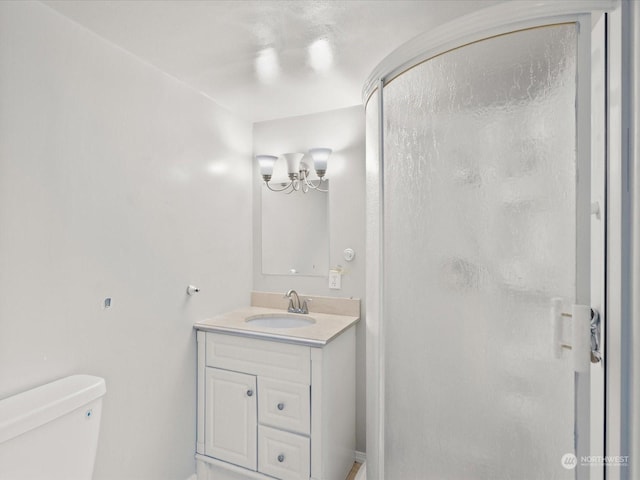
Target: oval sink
pixel 280 321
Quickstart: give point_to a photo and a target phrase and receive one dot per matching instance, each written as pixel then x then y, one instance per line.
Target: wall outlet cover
pixel 335 280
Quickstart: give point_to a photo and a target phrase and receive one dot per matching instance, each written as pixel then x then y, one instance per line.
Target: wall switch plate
pixel 335 279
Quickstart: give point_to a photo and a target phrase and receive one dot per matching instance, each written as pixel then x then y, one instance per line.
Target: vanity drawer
pixel 259 357
pixel 285 405
pixel 283 455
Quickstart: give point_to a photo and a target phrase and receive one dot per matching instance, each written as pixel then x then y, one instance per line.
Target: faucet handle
pixel 305 306
pixel 291 307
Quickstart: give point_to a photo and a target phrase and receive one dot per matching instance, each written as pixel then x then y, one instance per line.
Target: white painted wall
pixel 116 181
pixel 343 131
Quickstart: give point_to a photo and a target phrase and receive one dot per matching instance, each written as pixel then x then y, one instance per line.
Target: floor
pixel 354 471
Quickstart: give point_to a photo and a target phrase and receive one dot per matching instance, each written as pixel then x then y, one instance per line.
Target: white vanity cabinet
pixel 270 409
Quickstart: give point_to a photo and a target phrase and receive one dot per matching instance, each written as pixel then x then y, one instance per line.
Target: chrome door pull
pixel 596 355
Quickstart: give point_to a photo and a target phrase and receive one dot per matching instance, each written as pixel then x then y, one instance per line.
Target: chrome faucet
pixel 294 303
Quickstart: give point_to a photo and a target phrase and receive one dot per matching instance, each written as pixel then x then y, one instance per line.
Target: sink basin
pixel 280 321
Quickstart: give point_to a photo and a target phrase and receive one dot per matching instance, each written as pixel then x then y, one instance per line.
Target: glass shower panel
pixel 479 235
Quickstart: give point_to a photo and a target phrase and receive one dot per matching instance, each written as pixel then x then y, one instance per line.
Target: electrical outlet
pixel 335 279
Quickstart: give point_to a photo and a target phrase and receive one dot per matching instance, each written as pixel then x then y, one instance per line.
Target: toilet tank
pixel 51 431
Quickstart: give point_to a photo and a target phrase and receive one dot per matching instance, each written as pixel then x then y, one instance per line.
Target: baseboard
pixel 360 457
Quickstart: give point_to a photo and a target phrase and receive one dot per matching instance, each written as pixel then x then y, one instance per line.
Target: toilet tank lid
pixel 28 410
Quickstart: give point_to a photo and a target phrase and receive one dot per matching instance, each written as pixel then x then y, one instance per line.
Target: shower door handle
pixel 581 337
pixel 585 334
pixel 596 355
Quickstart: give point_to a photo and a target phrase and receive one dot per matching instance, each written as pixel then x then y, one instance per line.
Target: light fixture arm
pixel 266 182
pixel 310 184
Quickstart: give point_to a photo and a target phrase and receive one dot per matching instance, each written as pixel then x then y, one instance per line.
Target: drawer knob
pixel 281 406
pixel 281 458
pixel 249 393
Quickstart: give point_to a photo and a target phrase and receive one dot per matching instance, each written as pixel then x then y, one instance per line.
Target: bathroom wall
pixel 116 181
pixel 343 131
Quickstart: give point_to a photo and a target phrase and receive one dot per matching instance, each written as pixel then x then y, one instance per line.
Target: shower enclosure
pixel 485 184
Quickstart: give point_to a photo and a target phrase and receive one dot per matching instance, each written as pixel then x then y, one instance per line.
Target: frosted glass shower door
pixel 480 221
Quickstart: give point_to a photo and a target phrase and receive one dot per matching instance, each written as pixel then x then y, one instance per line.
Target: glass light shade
pixel 306 163
pixel 293 161
pixel 320 156
pixel 266 163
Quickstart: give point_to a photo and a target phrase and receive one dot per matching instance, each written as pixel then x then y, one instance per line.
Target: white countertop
pixel 326 326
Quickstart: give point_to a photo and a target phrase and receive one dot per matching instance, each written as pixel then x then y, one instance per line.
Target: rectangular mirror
pixel 295 232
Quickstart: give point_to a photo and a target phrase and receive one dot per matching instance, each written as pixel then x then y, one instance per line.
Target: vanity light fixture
pixel 298 169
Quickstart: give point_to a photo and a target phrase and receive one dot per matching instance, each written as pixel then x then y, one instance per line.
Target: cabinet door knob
pixel 249 393
pixel 281 406
pixel 281 458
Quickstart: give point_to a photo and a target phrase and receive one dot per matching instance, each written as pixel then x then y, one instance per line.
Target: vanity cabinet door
pixel 231 417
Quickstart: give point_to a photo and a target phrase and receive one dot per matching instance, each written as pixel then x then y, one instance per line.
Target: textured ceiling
pixel 266 59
